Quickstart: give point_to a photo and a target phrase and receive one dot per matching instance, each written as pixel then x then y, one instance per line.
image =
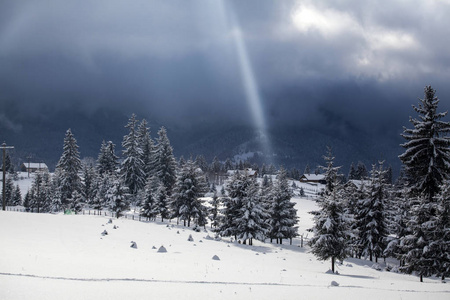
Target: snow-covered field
pixel 45 256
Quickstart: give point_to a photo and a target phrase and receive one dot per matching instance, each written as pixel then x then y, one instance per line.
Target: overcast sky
pixel 363 61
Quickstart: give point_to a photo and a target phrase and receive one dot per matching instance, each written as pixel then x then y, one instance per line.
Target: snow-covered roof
pixel 314 177
pixel 360 183
pixel 248 171
pixel 35 165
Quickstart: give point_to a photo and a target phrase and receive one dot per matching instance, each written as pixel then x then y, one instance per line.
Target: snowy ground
pixel 44 256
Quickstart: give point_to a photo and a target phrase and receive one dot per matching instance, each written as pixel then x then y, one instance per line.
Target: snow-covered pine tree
pixel 331 229
pixel 214 210
pixel 41 193
pixel 361 171
pixel 146 144
pixel 27 201
pixel 107 161
pixel 352 172
pixel 441 245
pixel 149 208
pixel 398 213
pixel 118 196
pixel 103 184
pixel 88 183
pixel 17 197
pixel 164 161
pixel 331 173
pixel 371 215
pixel 69 166
pixel 417 257
pixel 267 195
pixel 201 162
pixel 283 215
pixel 352 193
pixel 9 191
pixel 251 220
pixel 132 169
pixel 237 190
pixel 427 165
pixel 427 155
pixel 228 165
pixel 162 200
pixel 189 187
pixel 332 233
pixel 77 202
pixel 56 187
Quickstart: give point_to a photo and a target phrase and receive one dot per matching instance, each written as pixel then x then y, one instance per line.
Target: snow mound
pixel 208 237
pixel 162 249
pixel 110 221
pixel 376 267
pixel 334 283
pixel 104 232
pixel 115 227
pixel 153 247
pixel 215 257
pixel 133 245
pixel 190 238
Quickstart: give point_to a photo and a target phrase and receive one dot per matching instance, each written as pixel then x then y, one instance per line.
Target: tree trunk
pixel 421 278
pixel 332 264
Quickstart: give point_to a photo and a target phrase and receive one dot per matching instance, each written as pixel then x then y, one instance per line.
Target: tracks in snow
pixel 208 282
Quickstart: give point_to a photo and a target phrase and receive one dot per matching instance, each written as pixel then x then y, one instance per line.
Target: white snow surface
pixel 48 256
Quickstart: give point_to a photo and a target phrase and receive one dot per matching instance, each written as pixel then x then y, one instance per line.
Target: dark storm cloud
pixel 363 60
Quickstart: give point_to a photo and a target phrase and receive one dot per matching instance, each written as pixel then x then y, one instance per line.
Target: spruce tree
pixel 251 218
pixel 146 144
pixel 118 196
pixel 427 154
pixel 237 190
pixel 107 159
pixel 361 171
pixel 162 201
pixel 132 170
pixel 190 186
pixel 9 191
pixel 164 161
pixel 331 173
pixel 331 229
pixel 149 209
pixel 77 202
pixel 17 197
pixel 441 245
pixel 69 166
pixel 214 210
pixel 427 164
pixel 283 215
pixel 371 216
pixel 103 184
pixel 88 183
pixel 352 173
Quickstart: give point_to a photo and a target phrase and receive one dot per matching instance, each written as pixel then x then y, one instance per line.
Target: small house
pixel 313 178
pixel 33 167
pixel 248 172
